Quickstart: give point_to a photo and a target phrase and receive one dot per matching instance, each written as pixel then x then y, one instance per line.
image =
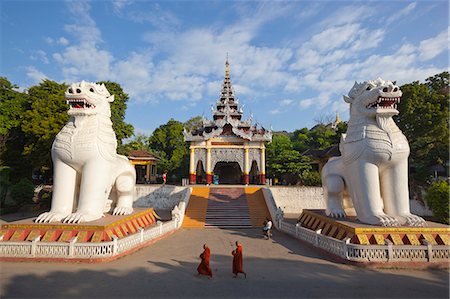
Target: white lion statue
pixel 86 167
pixel 373 168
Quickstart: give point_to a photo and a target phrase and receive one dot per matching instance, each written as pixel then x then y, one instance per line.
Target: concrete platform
pixel 280 268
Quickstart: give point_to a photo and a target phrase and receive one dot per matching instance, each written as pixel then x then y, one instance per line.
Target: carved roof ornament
pixel 228 112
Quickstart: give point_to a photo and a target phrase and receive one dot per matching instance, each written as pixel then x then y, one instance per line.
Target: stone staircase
pixel 227 208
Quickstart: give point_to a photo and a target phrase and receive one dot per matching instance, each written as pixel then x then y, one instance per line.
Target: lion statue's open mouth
pixel 79 103
pixel 384 103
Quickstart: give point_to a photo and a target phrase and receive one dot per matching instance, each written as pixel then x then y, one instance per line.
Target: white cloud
pixel 118 5
pixel 39 55
pixel 275 111
pixel 286 102
pixel 63 41
pixel 434 46
pixel 305 103
pixel 35 75
pixel 402 13
pixel 49 40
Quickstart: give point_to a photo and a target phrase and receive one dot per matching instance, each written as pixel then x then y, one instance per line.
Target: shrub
pixel 22 192
pixel 311 178
pixel 4 183
pixel 437 198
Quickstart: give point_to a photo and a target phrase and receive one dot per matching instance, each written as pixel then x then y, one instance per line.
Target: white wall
pixel 292 200
pixel 163 197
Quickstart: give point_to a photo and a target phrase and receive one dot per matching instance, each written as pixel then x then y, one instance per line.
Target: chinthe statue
pixel 86 168
pixel 373 168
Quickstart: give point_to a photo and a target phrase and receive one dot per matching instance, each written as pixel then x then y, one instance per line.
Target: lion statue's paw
pixel 335 209
pixel 48 217
pixel 379 219
pixel 412 220
pixel 336 213
pixel 122 211
pixel 386 220
pixel 79 217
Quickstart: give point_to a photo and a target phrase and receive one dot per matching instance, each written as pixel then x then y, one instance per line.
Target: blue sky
pixel 290 61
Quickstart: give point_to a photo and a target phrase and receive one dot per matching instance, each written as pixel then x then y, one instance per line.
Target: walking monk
pixel 238 265
pixel 204 267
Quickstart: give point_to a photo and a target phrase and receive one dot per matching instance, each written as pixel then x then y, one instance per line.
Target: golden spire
pixel 338 119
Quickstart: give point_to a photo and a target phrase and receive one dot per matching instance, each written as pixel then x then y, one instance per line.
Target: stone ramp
pixel 196 210
pixel 257 206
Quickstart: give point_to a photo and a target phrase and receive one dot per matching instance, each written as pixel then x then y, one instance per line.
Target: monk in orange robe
pixel 238 265
pixel 204 268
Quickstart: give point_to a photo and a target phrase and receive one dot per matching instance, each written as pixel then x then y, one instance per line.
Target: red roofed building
pixel 145 164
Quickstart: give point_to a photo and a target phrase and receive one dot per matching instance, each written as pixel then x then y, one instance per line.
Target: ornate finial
pixel 226 66
pixel 338 119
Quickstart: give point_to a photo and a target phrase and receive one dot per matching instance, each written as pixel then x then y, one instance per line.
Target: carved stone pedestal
pixel 100 230
pixel 360 233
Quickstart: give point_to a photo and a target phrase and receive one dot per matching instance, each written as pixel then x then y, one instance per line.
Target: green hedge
pixel 437 198
pixel 22 192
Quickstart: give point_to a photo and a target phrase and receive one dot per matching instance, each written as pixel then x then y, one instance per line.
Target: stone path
pixel 278 268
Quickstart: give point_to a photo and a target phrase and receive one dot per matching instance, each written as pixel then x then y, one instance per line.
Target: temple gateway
pixel 227 150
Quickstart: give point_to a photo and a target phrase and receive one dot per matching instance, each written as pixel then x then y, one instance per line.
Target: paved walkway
pixel 279 268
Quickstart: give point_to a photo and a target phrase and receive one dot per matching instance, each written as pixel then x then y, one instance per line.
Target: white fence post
pixel 390 249
pixel 429 249
pixel 296 229
pixel 1 237
pixel 346 242
pixel 318 232
pixel 34 245
pixel 160 227
pixel 115 248
pixel 72 246
pixel 141 234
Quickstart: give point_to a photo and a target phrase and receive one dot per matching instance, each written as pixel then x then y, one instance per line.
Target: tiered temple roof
pixel 227 119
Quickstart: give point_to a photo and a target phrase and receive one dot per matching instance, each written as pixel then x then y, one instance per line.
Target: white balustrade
pixel 368 253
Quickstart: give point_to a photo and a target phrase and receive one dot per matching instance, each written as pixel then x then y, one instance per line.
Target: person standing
pixel 238 265
pixel 267 229
pixel 164 177
pixel 204 268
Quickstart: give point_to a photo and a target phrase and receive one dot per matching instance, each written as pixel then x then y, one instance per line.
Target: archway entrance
pixel 228 172
pixel 201 175
pixel 253 175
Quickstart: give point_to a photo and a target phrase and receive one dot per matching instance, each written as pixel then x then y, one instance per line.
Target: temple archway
pixel 228 172
pixel 254 175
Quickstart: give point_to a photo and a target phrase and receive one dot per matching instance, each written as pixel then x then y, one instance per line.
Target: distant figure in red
pixel 238 265
pixel 204 267
pixel 164 176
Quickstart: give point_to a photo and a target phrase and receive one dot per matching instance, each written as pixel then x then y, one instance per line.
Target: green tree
pixel 194 123
pixel 283 161
pixel 13 105
pixel 43 121
pixel 423 118
pixel 167 141
pixel 138 142
pixel 118 107
pixel 301 140
pixel 437 198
